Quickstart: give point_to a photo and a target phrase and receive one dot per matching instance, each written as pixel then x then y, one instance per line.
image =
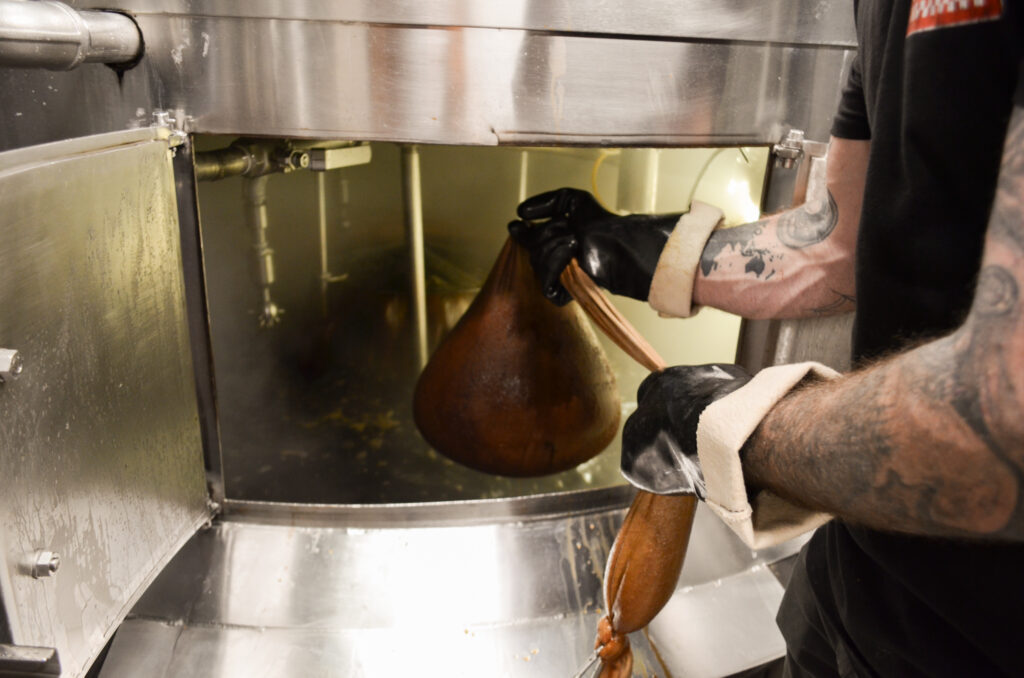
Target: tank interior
pixel 316 407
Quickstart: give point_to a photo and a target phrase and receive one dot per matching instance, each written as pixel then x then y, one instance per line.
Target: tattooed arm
pixel 796 263
pixel 930 441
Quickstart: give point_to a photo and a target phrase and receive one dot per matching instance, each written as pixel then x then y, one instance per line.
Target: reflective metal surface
pixel 100 456
pixel 433 514
pixel 412 203
pixel 483 85
pixel 690 634
pixel 54 35
pixel 784 21
pixel 519 597
pixel 532 72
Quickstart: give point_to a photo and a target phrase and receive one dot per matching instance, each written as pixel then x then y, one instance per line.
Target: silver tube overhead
pixel 52 35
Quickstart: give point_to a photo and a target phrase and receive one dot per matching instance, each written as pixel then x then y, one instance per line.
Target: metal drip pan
pixel 508 587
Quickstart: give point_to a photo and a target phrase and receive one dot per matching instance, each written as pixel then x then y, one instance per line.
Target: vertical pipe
pixel 321 205
pixel 254 191
pixel 638 180
pixel 413 199
pixel 524 173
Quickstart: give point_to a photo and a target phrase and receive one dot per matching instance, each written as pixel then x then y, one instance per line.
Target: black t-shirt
pixel 932 88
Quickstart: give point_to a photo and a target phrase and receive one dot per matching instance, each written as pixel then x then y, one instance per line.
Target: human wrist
pixel 727 432
pixel 672 285
pixel 754 461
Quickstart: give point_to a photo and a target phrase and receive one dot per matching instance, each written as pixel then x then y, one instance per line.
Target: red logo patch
pixel 926 15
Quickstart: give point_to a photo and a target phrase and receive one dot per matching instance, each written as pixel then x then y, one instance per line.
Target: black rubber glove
pixel 659 441
pixel 619 253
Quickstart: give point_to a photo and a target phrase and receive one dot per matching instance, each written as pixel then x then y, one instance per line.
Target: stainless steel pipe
pixel 232 161
pixel 52 35
pixel 413 199
pixel 254 194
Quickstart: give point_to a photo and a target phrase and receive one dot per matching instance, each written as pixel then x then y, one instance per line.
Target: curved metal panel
pixel 476 600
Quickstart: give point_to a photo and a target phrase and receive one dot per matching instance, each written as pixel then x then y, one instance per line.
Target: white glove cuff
pixel 671 290
pixel 723 428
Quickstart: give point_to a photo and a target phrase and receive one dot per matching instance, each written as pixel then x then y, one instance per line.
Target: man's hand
pixel 619 253
pixel 659 441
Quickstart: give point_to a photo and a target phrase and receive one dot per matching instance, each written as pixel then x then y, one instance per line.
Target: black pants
pixel 814 648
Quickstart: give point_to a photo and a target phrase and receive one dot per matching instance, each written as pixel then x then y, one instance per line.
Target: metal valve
pixel 11 364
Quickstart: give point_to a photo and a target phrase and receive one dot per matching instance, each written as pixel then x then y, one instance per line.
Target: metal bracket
pixel 323 159
pixel 176 121
pixel 790 149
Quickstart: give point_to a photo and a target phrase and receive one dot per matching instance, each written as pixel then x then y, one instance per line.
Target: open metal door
pixel 101 468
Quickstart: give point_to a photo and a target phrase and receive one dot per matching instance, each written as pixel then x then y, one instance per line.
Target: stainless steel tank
pixel 338 542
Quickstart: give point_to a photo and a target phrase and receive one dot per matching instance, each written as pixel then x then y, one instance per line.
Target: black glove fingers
pixel 520 232
pixel 638 432
pixel 533 236
pixel 549 260
pixel 569 203
pixel 654 380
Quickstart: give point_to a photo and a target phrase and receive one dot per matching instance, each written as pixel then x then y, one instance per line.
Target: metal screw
pixel 11 364
pixel 46 563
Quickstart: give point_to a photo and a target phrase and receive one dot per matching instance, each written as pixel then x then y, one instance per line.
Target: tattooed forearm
pixel 930 441
pixel 794 229
pixel 758 260
pixel 793 264
pixel 798 229
pixel 1005 225
pixel 997 292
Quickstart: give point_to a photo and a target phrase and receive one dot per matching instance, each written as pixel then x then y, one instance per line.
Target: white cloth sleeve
pixel 724 426
pixel 671 290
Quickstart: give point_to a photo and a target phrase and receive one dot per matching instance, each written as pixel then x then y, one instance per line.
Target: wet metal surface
pixel 100 456
pixel 520 596
pixel 523 72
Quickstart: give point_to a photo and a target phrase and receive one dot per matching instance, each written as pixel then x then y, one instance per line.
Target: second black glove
pixel 659 440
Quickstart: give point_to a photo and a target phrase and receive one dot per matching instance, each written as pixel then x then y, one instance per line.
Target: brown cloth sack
pixel 519 387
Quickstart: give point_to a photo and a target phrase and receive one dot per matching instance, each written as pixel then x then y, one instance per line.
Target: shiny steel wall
pixel 648 73
pixel 100 456
pixel 806 22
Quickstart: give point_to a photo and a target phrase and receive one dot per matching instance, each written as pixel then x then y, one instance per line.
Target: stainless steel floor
pixel 437 597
